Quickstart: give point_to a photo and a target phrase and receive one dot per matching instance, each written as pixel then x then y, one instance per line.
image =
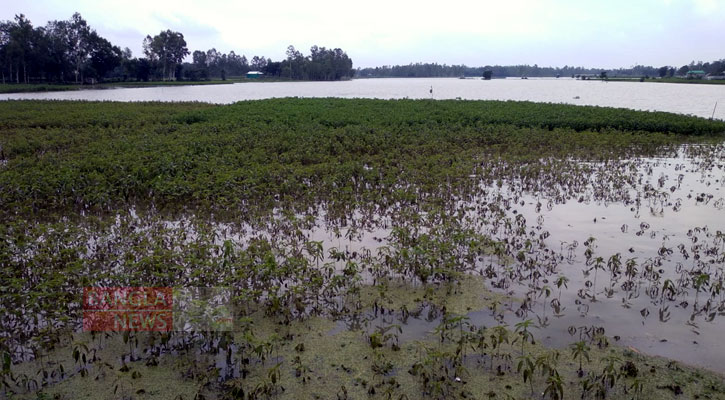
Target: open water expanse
pixel 692 99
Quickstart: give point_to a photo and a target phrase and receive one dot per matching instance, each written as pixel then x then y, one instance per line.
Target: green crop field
pixel 335 224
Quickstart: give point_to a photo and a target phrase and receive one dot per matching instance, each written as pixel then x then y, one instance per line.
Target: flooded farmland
pixel 365 248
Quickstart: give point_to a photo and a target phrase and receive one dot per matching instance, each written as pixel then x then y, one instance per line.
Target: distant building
pixel 696 74
pixel 254 75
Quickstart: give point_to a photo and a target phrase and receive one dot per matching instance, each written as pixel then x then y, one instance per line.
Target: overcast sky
pixel 601 33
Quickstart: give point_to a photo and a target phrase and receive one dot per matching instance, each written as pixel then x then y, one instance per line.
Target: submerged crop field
pixel 365 249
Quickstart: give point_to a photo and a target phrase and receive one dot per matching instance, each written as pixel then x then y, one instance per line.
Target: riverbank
pixel 43 87
pixel 689 81
pixel 663 80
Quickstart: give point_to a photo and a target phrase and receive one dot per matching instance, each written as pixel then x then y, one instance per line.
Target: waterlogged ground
pixel 403 249
pixel 673 222
pixel 342 362
pixel 673 212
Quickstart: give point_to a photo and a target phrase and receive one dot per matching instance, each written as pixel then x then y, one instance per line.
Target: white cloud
pixel 708 6
pixel 377 32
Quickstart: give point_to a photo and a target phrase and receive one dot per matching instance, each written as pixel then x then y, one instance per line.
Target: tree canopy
pixel 61 51
pixel 168 48
pixel 71 51
pixel 321 65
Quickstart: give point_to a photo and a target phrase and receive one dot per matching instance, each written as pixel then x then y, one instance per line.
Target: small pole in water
pixel 431 92
pixel 713 111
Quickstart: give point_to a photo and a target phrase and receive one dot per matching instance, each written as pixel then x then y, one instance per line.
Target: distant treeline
pixel 321 65
pixel 422 70
pixel 71 51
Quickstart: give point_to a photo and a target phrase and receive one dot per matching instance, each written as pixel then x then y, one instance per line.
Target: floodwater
pixel 686 207
pixel 692 99
pixel 674 201
pixel 690 202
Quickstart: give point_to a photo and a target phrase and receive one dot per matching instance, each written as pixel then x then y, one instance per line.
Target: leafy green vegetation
pixel 22 88
pixel 666 80
pixel 691 81
pixel 370 247
pixel 78 155
pixel 321 364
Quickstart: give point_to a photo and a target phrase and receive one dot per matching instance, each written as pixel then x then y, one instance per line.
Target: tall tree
pixel 199 58
pixel 662 71
pixel 5 59
pixel 104 56
pixel 78 43
pixel 295 62
pixel 168 48
pixel 258 63
pixel 19 37
pixel 58 64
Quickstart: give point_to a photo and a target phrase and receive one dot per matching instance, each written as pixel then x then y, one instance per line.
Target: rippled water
pixel 691 99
